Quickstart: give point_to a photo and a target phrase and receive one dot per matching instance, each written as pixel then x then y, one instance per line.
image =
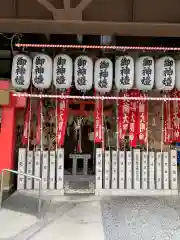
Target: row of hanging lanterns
pixel 142 73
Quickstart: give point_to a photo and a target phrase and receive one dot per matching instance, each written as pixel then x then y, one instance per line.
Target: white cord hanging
pixel 162 127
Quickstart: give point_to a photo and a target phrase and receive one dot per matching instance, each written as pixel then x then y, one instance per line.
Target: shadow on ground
pixel 55 211
pixel 22 203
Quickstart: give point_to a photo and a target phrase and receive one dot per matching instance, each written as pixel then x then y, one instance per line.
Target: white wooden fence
pixel 47 165
pixel 136 173
pixel 117 173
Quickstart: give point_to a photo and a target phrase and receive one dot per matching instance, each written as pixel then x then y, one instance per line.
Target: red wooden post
pixel 7 133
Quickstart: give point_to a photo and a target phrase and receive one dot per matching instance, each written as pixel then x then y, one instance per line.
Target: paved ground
pixel 85 218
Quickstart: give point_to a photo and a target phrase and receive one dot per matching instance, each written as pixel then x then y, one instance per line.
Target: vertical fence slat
pixel 158 170
pixel 21 168
pixel 173 170
pixel 114 170
pixel 60 169
pixel 165 170
pixel 121 169
pixel 45 161
pixel 99 166
pixel 144 170
pixel 151 170
pixel 29 170
pixel 136 169
pixel 129 169
pixel 52 164
pixel 37 168
pixel 107 170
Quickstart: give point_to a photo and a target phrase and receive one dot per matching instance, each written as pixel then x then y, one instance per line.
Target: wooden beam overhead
pixel 67 13
pixel 47 5
pixel 67 5
pixel 83 5
pixel 86 27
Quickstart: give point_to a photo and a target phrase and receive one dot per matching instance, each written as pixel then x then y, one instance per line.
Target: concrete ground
pixel 89 217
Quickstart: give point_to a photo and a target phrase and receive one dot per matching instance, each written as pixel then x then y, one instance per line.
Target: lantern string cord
pixel 17 94
pixel 120 48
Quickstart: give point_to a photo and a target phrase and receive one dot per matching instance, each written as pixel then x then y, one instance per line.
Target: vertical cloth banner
pixel 38 131
pixel 62 119
pixel 133 120
pixel 169 122
pixel 26 124
pixel 123 117
pixel 120 121
pixel 98 123
pixel 175 117
pixel 142 120
pixel 166 132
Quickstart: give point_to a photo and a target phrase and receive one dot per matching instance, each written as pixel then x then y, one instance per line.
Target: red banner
pixel 123 118
pixel 62 119
pixel 175 118
pixel 133 120
pixel 142 120
pixel 166 132
pixel 38 131
pixel 98 123
pixel 169 122
pixel 120 120
pixel 26 124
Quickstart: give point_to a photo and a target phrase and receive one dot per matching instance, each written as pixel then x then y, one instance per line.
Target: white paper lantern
pixel 103 75
pixel 124 72
pixel 144 73
pixel 177 82
pixel 165 73
pixel 21 71
pixel 83 73
pixel 42 71
pixel 62 71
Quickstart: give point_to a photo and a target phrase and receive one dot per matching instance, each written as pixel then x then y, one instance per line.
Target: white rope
pixel 95 97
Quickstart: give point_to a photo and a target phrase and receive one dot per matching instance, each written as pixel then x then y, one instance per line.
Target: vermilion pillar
pixel 7 132
pixel 7 137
